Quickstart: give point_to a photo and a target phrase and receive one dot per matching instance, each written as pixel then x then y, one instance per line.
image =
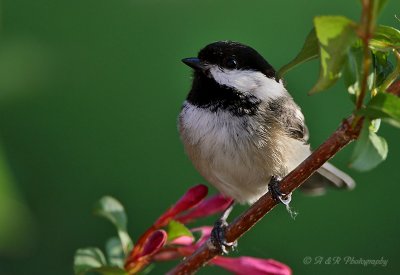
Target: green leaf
pixel 351 71
pixel 107 270
pixel 382 67
pixel 383 105
pixel 370 149
pixel 375 125
pixel 389 76
pixel 88 258
pixel 335 35
pixel 385 38
pixel 111 209
pixel 177 229
pixel 309 51
pixel 115 253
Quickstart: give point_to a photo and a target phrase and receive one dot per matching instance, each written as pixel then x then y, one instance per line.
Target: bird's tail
pixel 326 176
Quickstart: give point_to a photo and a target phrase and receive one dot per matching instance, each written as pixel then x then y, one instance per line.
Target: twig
pixel 365 33
pixel 340 138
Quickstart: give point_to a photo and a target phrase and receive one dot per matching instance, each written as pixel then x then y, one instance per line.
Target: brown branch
pixel 365 33
pixel 339 139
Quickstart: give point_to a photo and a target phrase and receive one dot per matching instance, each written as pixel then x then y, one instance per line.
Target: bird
pixel 241 128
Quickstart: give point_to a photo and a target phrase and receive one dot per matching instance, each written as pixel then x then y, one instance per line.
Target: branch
pixel 339 139
pixel 365 33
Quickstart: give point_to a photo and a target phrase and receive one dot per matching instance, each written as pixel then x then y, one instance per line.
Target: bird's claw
pixel 218 237
pixel 276 193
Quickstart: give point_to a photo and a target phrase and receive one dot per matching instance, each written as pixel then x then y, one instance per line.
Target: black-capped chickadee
pixel 240 127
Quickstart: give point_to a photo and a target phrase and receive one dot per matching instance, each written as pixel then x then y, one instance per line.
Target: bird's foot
pixel 218 237
pixel 276 193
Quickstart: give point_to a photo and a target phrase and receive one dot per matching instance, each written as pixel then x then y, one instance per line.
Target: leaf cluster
pixel 367 57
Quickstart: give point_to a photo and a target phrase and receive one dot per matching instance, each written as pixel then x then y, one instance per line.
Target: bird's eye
pixel 230 63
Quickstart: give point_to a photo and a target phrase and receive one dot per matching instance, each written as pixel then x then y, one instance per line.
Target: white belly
pixel 237 155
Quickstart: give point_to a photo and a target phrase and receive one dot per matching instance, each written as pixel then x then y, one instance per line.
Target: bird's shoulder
pixel 287 114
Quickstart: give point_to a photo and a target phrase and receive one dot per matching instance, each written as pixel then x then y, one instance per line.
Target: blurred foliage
pixel 96 114
pixel 15 220
pixel 23 67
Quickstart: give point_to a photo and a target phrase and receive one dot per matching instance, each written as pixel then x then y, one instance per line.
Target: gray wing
pixel 292 120
pixel 289 115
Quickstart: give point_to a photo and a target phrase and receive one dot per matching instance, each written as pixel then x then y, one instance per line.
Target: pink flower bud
pixel 182 240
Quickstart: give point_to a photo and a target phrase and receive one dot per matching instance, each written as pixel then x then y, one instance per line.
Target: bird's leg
pixel 218 232
pixel 276 193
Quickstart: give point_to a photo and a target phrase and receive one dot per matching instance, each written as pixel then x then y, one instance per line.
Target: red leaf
pixel 254 266
pixel 139 258
pixel 207 207
pixel 153 243
pixel 192 197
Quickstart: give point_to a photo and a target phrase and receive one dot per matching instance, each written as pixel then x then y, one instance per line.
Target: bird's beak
pixel 194 63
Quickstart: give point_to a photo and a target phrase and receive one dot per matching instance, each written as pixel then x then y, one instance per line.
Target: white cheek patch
pixel 246 81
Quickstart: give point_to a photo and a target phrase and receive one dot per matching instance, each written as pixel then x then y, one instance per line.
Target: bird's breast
pixel 231 152
pixel 217 130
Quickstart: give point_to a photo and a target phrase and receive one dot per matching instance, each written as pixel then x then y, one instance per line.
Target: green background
pixel 89 95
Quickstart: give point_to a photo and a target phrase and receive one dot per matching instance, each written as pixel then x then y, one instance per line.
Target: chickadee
pixel 240 127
